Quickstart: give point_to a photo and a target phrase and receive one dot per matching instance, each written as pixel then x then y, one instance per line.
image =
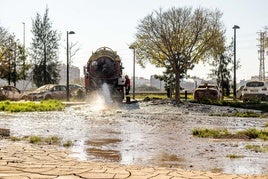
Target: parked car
pixel 49 91
pixel 207 91
pixel 12 93
pixel 239 92
pixel 255 90
pixel 77 90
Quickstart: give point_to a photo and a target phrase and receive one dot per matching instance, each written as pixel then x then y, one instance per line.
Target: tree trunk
pixel 177 88
pixel 45 65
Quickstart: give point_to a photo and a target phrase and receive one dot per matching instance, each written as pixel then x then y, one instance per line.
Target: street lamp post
pixel 134 60
pixel 67 75
pixel 234 85
pixel 15 71
pixel 24 58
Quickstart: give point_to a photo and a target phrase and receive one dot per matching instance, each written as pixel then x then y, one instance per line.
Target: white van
pixel 255 90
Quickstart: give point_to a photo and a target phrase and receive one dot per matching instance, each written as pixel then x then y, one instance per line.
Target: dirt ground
pixel 154 133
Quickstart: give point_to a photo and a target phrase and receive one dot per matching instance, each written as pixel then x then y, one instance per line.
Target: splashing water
pixel 98 103
pixel 102 100
pixel 106 93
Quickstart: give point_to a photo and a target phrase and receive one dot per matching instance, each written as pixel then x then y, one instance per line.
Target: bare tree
pixel 178 39
pixel 73 51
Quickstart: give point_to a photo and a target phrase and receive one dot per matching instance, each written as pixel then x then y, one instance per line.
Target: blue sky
pixel 109 23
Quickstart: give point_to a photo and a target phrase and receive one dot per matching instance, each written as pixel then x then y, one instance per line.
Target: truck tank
pixel 104 67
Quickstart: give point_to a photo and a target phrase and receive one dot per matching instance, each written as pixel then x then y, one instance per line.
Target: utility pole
pixel 234 87
pixel 261 51
pixel 134 62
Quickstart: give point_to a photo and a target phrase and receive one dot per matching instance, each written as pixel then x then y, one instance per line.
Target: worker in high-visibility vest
pixel 127 88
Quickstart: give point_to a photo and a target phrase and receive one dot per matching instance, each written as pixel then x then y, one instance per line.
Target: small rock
pixel 4 132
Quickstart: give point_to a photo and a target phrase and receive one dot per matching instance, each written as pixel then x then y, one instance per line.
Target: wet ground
pixel 147 133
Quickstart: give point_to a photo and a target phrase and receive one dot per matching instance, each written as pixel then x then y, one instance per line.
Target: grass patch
pixel 239 114
pixel 246 114
pixel 68 144
pixel 46 105
pixel 211 133
pixel 223 133
pixel 151 96
pixel 233 156
pixel 35 139
pixel 254 133
pixel 53 140
pixel 14 139
pixel 263 106
pixel 257 148
pixel 161 95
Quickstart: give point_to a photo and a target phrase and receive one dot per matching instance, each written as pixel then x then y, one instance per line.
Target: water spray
pixel 105 90
pixel 102 99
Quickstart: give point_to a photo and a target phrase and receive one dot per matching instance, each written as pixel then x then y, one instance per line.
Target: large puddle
pixel 144 134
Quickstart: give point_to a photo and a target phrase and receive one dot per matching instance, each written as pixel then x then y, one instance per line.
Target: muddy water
pixel 146 134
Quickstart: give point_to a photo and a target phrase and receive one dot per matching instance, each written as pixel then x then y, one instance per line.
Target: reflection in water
pixel 102 142
pixel 169 159
pixel 100 150
pixel 136 146
pixel 105 155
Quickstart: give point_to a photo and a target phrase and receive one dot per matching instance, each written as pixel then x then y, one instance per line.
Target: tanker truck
pixel 104 67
